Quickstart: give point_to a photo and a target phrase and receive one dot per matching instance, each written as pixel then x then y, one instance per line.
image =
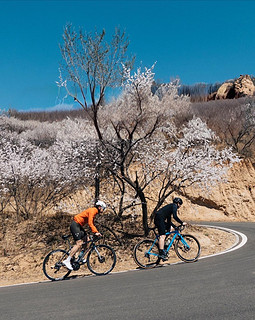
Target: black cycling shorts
pixel 77 231
pixel 160 224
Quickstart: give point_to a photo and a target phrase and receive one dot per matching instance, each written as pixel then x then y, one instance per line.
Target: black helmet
pixel 178 201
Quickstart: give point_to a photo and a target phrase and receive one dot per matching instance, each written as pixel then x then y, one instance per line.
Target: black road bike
pixel 99 258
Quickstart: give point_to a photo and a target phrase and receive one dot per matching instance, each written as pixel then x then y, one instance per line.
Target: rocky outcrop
pixel 231 201
pixel 244 86
pixel 241 87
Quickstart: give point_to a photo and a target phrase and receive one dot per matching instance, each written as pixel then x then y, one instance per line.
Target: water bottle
pixel 80 256
pixel 167 242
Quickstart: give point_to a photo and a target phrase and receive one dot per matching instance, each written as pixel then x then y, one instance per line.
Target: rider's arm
pixel 175 216
pixel 91 217
pixel 173 225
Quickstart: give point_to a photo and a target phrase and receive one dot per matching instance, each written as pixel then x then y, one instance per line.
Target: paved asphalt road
pixel 219 288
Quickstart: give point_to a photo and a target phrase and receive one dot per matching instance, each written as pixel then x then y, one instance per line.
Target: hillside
pixel 38 232
pixel 22 252
pixel 234 200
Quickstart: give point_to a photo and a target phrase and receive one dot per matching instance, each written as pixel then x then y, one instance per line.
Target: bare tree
pixel 92 64
pixel 240 130
pixel 233 120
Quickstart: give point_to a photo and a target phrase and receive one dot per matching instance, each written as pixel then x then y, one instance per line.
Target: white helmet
pixel 101 204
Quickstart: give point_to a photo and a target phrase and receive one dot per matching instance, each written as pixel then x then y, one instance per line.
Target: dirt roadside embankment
pixel 23 263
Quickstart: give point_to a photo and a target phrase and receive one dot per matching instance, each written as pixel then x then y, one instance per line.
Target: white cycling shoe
pixel 67 263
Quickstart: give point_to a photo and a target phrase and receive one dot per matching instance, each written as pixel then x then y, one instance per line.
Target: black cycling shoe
pixel 163 255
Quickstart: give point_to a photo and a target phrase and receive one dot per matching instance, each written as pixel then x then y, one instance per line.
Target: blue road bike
pixel 146 252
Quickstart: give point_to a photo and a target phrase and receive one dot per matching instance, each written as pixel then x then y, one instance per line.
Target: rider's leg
pixel 162 251
pixel 161 226
pixel 76 248
pixel 161 241
pixel 78 234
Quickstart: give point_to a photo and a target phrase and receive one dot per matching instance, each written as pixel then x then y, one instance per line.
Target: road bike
pixel 146 252
pixel 100 259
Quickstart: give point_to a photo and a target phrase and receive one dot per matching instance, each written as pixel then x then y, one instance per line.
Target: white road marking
pixel 236 245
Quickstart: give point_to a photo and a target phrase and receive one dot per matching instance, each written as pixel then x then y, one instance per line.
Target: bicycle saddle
pixel 64 237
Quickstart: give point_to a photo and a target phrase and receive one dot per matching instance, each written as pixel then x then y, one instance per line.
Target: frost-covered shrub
pixel 35 177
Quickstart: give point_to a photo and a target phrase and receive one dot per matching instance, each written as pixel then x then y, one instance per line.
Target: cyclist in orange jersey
pixel 79 234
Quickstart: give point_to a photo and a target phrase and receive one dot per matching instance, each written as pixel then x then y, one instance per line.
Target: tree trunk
pixel 97 182
pixel 144 212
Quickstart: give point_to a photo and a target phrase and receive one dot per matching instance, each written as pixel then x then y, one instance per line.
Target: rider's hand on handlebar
pixel 98 234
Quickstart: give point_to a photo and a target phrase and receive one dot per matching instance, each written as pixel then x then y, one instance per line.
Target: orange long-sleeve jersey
pixel 87 217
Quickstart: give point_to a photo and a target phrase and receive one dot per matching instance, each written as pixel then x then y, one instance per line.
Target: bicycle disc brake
pixel 101 259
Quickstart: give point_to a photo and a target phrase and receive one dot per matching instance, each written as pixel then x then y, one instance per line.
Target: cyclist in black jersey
pixel 163 223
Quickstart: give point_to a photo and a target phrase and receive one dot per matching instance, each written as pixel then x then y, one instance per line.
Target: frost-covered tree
pixel 144 149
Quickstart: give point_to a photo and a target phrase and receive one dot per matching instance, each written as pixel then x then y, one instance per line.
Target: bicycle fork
pixel 180 237
pixel 186 247
pixel 101 258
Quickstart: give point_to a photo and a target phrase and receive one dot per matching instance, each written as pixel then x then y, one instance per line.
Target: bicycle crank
pixel 75 265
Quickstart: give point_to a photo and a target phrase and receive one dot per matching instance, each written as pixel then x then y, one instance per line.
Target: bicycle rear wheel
pixel 101 259
pixel 146 254
pixel 187 248
pixel 53 267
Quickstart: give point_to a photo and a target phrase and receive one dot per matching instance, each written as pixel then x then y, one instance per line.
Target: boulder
pixel 226 91
pixel 241 87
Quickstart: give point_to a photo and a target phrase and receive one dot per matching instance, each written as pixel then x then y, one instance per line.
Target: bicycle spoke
pixel 53 267
pixel 146 254
pixel 101 259
pixel 187 248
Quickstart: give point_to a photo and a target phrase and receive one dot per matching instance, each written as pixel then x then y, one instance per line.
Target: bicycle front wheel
pixel 187 248
pixel 101 259
pixel 53 267
pixel 146 254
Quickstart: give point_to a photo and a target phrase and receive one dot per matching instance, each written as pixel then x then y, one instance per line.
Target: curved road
pixel 220 287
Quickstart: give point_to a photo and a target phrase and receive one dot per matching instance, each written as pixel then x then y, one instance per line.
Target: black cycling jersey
pixel 163 217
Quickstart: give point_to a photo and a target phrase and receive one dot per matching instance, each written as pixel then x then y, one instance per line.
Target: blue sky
pixel 197 41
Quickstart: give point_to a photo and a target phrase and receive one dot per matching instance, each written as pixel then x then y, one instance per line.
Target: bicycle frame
pixel 176 234
pixel 90 245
